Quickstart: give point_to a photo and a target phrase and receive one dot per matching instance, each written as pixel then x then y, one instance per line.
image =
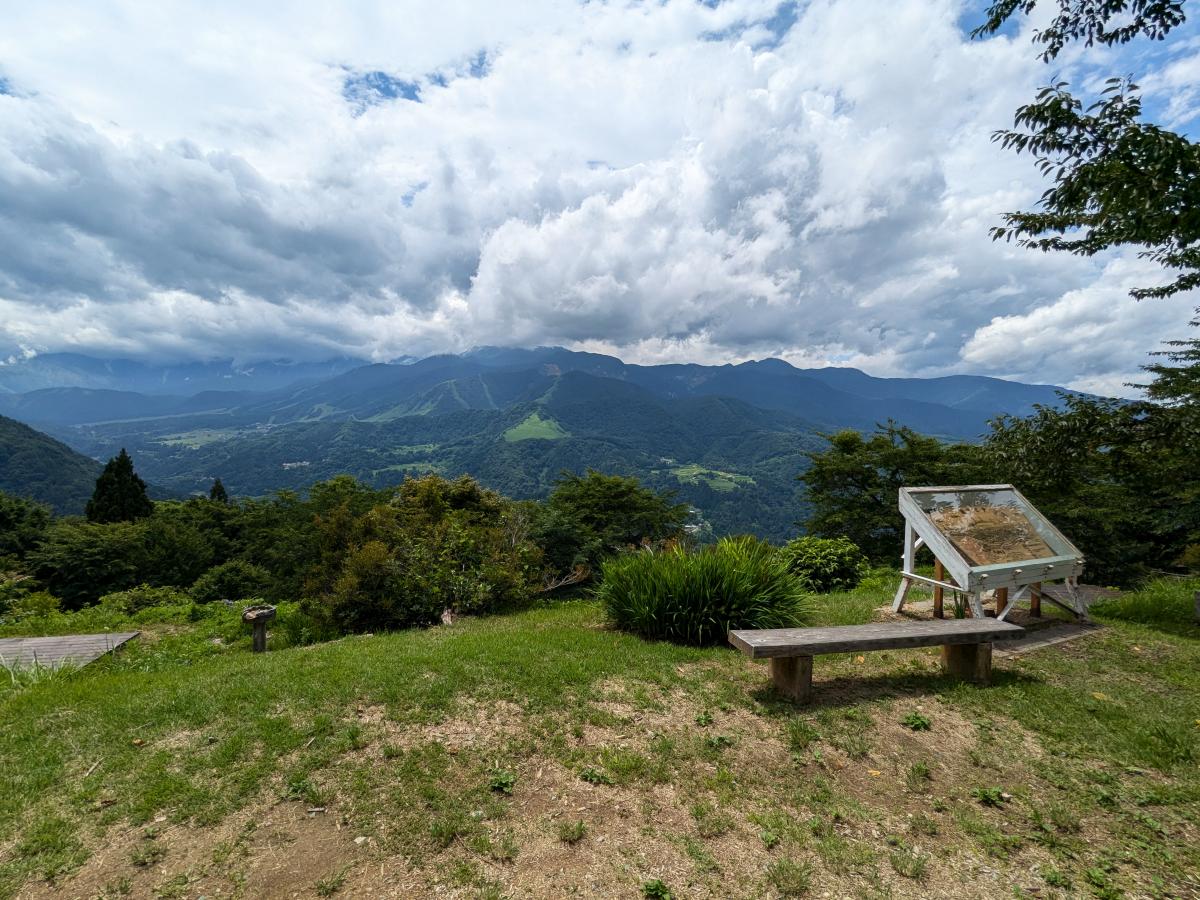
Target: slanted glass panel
pixel 991 527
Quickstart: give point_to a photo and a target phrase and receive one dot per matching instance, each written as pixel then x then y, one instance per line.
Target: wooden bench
pixel 966 647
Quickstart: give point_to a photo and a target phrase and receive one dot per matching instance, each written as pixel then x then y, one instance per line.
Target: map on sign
pixel 991 527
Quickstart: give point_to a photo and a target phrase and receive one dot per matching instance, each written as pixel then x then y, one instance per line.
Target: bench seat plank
pixel 779 642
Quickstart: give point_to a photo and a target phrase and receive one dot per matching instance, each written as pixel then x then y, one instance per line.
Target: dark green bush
pixel 826 564
pixel 144 596
pixel 435 545
pixel 695 597
pixel 234 580
pixel 588 517
pixel 80 562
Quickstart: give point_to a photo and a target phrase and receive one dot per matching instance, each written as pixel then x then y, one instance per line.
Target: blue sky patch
pixel 778 25
pixel 363 90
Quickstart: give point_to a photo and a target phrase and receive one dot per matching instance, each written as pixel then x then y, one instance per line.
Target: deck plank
pixel 78 649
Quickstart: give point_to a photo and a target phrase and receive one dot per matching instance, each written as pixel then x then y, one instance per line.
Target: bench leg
pixel 792 676
pixel 972 662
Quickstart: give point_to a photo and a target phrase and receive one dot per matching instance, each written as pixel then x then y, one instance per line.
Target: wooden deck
pixel 77 649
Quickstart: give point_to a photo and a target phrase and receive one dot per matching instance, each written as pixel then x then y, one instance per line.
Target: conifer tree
pixel 120 495
pixel 217 492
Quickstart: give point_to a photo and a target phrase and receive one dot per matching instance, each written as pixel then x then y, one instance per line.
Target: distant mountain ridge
pixel 730 439
pixel 493 378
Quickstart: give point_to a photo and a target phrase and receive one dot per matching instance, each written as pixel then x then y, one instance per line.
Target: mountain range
pixel 730 439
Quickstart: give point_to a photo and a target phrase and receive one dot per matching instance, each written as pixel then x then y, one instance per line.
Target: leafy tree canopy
pixel 853 485
pixel 1115 179
pixel 120 494
pixel 590 516
pixel 23 525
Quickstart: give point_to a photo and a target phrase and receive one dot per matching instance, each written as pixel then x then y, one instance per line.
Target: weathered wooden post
pixel 258 617
pixel 1035 599
pixel 1001 599
pixel 939 574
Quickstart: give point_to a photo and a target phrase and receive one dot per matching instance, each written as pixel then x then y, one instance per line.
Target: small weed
pixel 789 878
pixel 299 787
pixel 991 796
pixel 1064 819
pixel 502 781
pixel 769 838
pixel 923 824
pixel 446 829
pixel 1056 878
pixel 331 884
pixel 853 744
pixel 704 719
pixel 146 855
pixel 505 848
pixel 1101 884
pixel 718 742
pixel 800 734
pixel 990 838
pixel 710 821
pixel 918 777
pixel 572 832
pixel 595 776
pixel 916 722
pixel 909 863
pixel 702 858
pixel 656 889
pixel 122 887
pixel 392 751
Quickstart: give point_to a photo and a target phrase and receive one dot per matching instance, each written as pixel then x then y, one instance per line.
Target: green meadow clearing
pixel 540 753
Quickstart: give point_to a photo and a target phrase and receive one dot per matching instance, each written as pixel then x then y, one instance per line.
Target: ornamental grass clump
pixel 696 597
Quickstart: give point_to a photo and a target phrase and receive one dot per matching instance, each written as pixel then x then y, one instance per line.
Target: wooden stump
pixel 939 573
pixel 1035 599
pixel 972 662
pixel 792 676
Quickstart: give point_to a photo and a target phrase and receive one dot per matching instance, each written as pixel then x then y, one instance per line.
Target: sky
pixel 664 181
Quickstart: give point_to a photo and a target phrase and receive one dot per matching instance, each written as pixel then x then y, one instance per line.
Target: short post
pixel 939 573
pixel 1035 599
pixel 792 676
pixel 1001 600
pixel 972 662
pixel 258 617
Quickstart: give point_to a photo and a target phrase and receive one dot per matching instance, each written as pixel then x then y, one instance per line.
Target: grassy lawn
pixel 534 427
pixel 541 754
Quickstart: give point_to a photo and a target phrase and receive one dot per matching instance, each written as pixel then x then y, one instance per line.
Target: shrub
pixel 434 545
pixel 1163 601
pixel 826 564
pixel 142 597
pixel 696 597
pixel 233 580
pixel 80 562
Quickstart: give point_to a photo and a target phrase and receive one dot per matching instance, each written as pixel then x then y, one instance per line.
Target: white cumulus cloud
pixel 665 181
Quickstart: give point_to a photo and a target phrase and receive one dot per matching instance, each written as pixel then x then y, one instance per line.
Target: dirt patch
pixel 868 797
pixel 272 850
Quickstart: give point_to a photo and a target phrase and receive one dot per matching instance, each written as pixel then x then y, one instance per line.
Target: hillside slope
pixel 35 465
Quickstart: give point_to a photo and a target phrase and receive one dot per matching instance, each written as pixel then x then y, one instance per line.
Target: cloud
pixel 666 181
